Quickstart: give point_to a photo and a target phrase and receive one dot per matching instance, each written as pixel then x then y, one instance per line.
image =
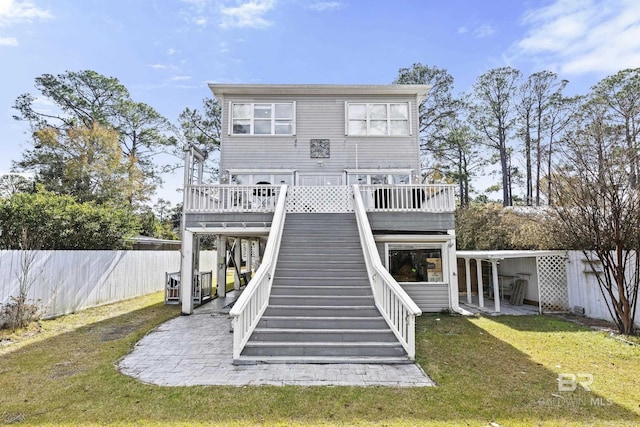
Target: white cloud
pixel 14 12
pixel 158 66
pixel 247 15
pixel 179 78
pixel 8 41
pixel 201 21
pixel 585 36
pixel 483 31
pixel 326 5
pixel 462 30
pixel 172 51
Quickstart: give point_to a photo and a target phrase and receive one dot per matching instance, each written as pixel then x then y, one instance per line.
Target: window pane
pixel 416 265
pixel 357 127
pixel 399 127
pixel 378 127
pixel 399 111
pixel 262 111
pixel 357 111
pixel 284 127
pixel 379 179
pixel 241 126
pixel 262 127
pixel 378 111
pixel 241 111
pixel 400 179
pixel 284 111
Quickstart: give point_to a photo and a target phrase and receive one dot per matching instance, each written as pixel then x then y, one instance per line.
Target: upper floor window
pixel 263 119
pixel 378 119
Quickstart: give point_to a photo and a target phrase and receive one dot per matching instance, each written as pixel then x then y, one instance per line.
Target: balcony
pixel 427 198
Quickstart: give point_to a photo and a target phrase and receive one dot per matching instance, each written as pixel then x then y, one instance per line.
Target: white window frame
pixel 273 118
pixel 368 119
pixel 408 245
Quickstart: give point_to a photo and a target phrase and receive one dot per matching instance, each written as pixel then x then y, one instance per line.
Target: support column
pixel 237 258
pixel 467 270
pixel 496 284
pixel 221 277
pixel 186 272
pixel 250 256
pixel 480 284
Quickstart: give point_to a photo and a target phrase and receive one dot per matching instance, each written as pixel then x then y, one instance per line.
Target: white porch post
pixel 186 272
pixel 453 271
pixel 467 270
pixel 480 284
pixel 496 283
pixel 221 287
pixel 237 258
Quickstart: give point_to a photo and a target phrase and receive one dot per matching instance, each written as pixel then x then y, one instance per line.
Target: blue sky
pixel 165 51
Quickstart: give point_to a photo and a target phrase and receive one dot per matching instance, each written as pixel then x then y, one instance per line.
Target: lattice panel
pixel 320 199
pixel 552 283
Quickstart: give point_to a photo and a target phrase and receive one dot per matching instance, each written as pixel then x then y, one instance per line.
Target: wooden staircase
pixel 321 308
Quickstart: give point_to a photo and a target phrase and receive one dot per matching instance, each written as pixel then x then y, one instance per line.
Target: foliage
pixel 94 137
pixel 598 194
pixel 44 220
pixel 158 227
pixel 18 313
pixel 202 129
pixel 490 226
pixel 12 183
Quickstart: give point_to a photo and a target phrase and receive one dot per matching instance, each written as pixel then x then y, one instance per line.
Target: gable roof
pixel 420 91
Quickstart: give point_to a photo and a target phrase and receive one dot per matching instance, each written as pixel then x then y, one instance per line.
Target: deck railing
pixel 397 308
pixel 408 198
pixel 248 309
pixel 376 198
pixel 231 198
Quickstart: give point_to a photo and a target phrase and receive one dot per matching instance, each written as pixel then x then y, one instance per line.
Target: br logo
pixel 569 382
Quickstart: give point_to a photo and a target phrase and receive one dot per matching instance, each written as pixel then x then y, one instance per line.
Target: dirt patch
pixel 597 324
pixel 116 332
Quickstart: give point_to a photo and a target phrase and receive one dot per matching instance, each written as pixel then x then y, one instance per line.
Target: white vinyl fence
pixel 68 281
pixel 584 290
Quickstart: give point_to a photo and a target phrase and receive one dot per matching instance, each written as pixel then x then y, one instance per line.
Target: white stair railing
pixel 397 308
pixel 252 303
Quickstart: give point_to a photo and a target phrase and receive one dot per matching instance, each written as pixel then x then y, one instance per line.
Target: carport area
pixel 513 282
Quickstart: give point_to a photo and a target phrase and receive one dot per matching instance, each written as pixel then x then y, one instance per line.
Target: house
pixel 321 184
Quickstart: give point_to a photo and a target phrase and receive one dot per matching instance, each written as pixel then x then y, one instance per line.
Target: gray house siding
pixel 430 297
pixel 318 117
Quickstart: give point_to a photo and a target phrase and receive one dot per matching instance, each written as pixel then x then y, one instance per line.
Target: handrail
pixel 397 308
pixel 252 303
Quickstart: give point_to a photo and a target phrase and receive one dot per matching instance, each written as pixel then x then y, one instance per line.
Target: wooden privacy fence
pixel 67 281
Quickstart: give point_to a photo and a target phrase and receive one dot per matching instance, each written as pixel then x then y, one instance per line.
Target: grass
pixel 500 370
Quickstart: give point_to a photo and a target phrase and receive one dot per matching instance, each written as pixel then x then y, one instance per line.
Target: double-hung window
pixel 263 118
pixel 378 119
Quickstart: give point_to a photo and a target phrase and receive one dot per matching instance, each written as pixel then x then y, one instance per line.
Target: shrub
pixel 19 313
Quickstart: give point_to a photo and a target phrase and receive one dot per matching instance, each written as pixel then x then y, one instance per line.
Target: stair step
pixel 324 360
pixel 328 322
pixel 326 300
pixel 301 280
pixel 357 349
pixel 323 335
pixel 354 290
pixel 322 311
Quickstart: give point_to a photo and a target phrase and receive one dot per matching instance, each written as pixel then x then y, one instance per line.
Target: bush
pixel 19 313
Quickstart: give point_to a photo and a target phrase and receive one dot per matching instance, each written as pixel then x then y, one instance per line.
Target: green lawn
pixel 487 369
